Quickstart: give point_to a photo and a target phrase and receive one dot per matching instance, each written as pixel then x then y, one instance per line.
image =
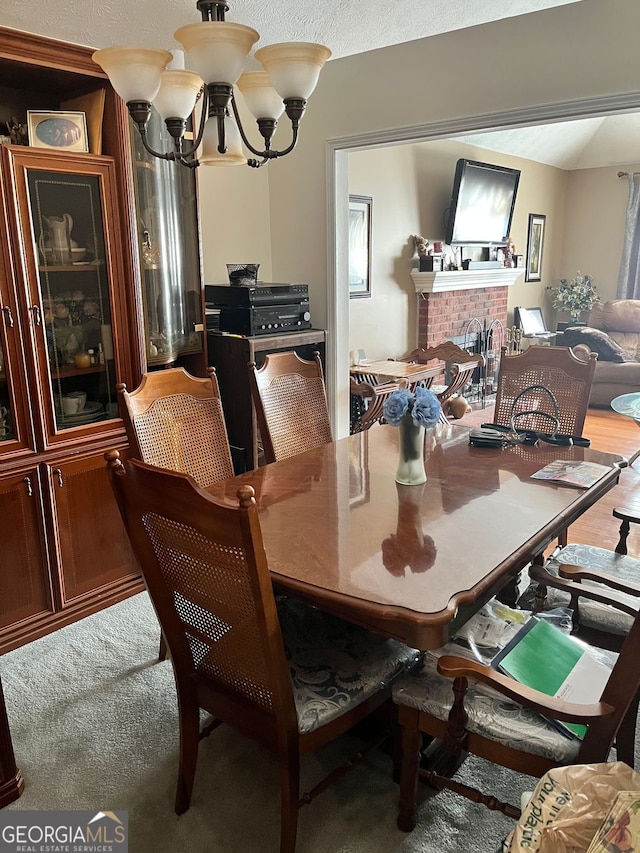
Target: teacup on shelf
pixel 74 402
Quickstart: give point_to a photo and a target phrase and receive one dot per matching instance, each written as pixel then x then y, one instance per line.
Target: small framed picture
pixel 64 131
pixel 360 207
pixel 533 271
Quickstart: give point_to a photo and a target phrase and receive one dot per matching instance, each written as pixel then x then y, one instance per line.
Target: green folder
pixel 541 656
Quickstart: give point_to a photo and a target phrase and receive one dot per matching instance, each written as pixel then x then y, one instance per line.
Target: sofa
pixel 613 332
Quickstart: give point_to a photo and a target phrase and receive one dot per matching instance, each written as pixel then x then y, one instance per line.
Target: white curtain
pixel 629 274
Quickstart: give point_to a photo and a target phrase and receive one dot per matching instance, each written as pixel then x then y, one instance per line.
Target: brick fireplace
pixel 447 301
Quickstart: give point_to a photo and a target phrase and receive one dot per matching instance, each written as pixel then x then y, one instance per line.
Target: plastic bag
pixel 568 806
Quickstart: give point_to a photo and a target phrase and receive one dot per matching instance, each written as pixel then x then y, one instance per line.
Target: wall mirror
pixel 360 209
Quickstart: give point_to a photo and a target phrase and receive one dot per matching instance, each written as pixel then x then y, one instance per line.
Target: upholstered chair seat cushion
pixel 334 664
pixel 591 614
pixel 491 715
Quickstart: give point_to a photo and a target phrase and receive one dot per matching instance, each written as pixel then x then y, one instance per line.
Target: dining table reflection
pixel 327 516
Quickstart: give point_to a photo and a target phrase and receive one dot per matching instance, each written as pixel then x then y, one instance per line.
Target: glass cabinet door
pixel 169 250
pixel 15 426
pixel 66 212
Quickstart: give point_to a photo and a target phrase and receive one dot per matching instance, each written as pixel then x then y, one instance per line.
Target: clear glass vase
pixel 411 471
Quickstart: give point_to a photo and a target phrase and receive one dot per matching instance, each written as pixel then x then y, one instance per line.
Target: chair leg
pixel 163 651
pixel 626 736
pixel 189 714
pixel 289 800
pixel 408 720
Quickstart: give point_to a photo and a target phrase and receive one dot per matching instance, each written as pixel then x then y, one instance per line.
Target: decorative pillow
pixel 597 341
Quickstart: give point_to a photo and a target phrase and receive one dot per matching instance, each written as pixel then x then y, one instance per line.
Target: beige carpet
pixel 94 724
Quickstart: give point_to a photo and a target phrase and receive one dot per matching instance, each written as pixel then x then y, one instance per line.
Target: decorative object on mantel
pixel 217 51
pixel 422 245
pixel 575 296
pixel 412 412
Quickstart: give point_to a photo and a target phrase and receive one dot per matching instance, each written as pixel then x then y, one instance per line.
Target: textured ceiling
pixel 584 144
pixel 344 26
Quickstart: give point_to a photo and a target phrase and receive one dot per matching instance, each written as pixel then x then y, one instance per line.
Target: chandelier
pixel 216 52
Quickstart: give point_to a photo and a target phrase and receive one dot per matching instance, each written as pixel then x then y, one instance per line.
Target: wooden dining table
pixel 411 562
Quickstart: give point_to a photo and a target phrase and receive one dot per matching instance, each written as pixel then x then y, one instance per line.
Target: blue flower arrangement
pixel 422 404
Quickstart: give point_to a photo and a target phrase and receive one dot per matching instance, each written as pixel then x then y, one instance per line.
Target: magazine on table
pixel 569 472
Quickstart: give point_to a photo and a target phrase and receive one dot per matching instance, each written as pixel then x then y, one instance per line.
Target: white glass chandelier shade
pixel 209 154
pixel 260 97
pixel 177 95
pixel 135 73
pixel 293 67
pixel 217 50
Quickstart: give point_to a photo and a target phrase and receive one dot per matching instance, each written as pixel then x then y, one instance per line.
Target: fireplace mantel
pixel 441 282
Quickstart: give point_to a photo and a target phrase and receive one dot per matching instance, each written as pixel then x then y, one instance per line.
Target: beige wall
pixel 411 187
pixel 597 205
pixel 235 221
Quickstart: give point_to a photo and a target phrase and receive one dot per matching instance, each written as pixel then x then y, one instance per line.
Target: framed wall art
pixel 360 208
pixel 64 131
pixel 535 242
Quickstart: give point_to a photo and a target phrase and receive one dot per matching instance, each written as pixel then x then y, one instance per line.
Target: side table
pixel 629 406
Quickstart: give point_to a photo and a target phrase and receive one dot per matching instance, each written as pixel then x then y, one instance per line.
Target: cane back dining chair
pixel 521 398
pixel 445 700
pixel 285 675
pixel 291 404
pixel 462 366
pixel 568 377
pixel 367 402
pixel 175 420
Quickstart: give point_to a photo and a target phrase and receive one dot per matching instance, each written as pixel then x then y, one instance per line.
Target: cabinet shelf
pixel 69 267
pixel 71 370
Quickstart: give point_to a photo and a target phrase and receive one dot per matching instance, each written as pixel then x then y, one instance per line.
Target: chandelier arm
pixel 269 153
pixel 193 163
pixel 203 118
pixel 243 135
pixel 171 155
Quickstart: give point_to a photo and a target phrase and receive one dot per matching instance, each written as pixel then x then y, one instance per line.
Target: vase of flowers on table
pixel 575 296
pixel 412 412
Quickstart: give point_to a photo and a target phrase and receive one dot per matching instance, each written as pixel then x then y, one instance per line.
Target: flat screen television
pixel 482 204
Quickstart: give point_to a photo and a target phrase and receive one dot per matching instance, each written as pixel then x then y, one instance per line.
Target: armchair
pixel 444 699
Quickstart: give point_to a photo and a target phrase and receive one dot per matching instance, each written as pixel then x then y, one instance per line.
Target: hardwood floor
pixel 615 434
pixel 612 433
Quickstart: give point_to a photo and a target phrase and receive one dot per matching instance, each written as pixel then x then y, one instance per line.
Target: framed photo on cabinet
pixel 63 131
pixel 360 208
pixel 535 242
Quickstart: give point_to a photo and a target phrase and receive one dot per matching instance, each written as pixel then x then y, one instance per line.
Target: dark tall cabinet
pixel 231 355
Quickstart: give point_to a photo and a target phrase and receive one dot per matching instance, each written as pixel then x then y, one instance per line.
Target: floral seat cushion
pixel 490 714
pixel 335 665
pixel 591 614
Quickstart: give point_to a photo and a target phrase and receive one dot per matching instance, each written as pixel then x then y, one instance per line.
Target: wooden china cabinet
pixel 72 326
